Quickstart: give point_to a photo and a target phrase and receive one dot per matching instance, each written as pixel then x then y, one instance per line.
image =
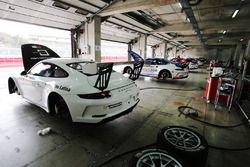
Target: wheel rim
pixel 182 138
pixel 157 159
pixel 61 109
pixel 16 90
pixel 128 71
pixel 164 75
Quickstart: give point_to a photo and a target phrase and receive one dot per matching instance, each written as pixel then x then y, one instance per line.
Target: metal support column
pixel 73 43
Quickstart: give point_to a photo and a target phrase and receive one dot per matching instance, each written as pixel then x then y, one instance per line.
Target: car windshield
pixel 88 68
pixel 165 61
pixel 157 61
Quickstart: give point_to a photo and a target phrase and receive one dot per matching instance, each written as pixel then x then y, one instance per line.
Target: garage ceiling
pixel 122 21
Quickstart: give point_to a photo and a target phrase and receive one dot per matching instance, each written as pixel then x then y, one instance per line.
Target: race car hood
pixel 33 53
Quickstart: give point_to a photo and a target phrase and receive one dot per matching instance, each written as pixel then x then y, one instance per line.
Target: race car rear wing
pixel 104 73
pixel 105 70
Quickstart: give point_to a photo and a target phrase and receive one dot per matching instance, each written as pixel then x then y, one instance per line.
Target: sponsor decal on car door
pixel 149 69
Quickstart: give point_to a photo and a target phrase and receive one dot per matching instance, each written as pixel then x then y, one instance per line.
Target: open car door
pixel 33 53
pixel 135 56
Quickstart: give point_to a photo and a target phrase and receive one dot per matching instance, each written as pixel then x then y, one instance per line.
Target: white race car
pixel 157 68
pixel 80 89
pixel 193 65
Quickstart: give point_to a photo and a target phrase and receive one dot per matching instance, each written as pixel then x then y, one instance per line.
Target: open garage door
pixel 113 51
pixel 12 38
pixel 14 34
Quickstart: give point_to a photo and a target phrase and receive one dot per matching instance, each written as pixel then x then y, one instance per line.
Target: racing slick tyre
pixel 186 143
pixel 155 158
pixel 127 70
pixel 164 75
pixel 12 86
pixel 15 89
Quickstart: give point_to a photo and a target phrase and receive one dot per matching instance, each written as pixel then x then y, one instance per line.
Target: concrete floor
pixel 74 144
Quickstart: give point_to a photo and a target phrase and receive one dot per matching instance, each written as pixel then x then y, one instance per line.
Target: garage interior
pixel 211 29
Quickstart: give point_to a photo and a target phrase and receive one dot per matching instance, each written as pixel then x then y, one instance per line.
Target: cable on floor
pixel 154 144
pixel 148 88
pixel 228 149
pixel 193 115
pixel 125 153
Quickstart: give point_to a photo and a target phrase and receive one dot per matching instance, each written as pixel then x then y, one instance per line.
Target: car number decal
pixel 148 69
pixel 115 105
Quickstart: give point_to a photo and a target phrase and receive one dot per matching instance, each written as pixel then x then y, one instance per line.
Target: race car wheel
pixel 15 89
pixel 61 108
pixel 127 70
pixel 12 86
pixel 190 145
pixel 155 158
pixel 164 75
pixel 58 107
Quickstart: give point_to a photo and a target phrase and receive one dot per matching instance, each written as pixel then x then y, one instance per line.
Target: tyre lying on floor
pixel 156 158
pixel 188 144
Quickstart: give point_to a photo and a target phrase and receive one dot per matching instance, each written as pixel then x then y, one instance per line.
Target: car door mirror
pixel 23 73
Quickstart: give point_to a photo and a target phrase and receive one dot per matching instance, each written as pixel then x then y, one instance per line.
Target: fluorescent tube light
pixel 235 13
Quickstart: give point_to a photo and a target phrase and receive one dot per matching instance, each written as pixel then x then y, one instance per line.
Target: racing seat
pixel 58 72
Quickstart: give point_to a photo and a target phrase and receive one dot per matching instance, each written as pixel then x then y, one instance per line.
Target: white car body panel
pixel 192 66
pixel 154 70
pixel 36 89
pixel 200 63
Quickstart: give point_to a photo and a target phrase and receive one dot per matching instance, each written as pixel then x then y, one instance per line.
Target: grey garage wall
pixel 197 52
pixel 221 54
pixel 226 55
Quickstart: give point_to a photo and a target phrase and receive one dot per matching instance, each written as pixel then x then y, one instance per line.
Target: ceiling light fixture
pixel 241 39
pixel 61 5
pixel 224 32
pixel 235 13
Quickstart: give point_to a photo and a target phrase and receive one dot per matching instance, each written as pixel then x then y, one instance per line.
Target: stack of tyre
pixel 176 147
